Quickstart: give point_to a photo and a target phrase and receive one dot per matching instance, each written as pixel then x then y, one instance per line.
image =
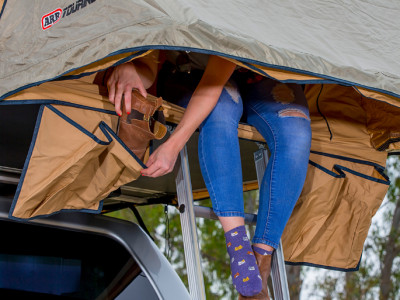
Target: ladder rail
pixel 189 228
pixel 278 271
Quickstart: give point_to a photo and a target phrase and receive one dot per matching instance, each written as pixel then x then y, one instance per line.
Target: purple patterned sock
pixel 262 251
pixel 245 274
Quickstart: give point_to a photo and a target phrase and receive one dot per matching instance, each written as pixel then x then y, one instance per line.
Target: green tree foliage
pixel 215 260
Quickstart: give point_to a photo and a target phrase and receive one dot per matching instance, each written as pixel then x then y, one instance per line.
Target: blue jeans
pixel 285 125
pixel 280 113
pixel 268 106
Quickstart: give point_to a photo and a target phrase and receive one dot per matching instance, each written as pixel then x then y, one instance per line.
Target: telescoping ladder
pixel 188 213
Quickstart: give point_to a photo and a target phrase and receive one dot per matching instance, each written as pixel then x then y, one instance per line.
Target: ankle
pixel 264 247
pixel 229 223
pixel 263 250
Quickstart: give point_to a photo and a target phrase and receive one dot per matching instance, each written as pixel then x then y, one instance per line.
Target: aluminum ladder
pixel 188 214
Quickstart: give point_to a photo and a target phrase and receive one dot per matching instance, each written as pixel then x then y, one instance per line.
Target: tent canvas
pixel 350 42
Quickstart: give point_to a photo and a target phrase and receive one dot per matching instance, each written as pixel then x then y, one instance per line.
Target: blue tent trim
pixel 143 49
pixel 324 267
pixel 2 9
pixel 56 102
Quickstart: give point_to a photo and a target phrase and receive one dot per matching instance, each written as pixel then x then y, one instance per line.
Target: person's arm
pixel 139 74
pixel 203 101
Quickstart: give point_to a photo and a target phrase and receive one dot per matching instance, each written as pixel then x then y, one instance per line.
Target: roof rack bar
pixel 278 271
pixel 9 175
pixel 189 228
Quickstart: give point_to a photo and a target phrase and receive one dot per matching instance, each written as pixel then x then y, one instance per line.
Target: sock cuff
pixel 235 231
pixel 262 251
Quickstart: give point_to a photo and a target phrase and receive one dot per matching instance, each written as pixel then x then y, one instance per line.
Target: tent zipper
pixel 322 115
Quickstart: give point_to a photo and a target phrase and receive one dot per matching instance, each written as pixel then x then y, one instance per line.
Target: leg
pixel 220 163
pixel 280 113
pixel 219 156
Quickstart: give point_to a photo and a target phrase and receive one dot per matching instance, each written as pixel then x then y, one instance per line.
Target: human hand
pixel 161 161
pixel 123 79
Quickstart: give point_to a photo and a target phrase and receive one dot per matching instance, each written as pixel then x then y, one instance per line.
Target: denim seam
pixel 208 176
pixel 265 242
pixel 266 229
pixel 228 213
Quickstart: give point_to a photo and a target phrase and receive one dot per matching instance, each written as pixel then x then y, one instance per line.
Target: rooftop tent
pixel 351 42
pixel 346 54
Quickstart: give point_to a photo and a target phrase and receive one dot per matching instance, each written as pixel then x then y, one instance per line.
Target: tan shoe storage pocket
pixel 330 221
pixel 74 161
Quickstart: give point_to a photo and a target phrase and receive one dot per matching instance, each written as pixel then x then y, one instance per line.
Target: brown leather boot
pixel 264 265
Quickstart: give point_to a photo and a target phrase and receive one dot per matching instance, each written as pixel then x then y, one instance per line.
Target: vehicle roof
pixel 154 265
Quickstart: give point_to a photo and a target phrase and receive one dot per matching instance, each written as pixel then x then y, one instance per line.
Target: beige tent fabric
pixel 353 43
pixel 76 92
pixel 357 126
pixel 331 219
pixel 76 161
pixel 284 75
pixel 345 182
pixel 108 62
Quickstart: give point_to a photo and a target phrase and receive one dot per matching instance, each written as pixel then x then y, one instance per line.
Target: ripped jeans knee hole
pixel 292 112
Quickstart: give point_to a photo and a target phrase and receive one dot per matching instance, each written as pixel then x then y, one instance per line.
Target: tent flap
pixel 75 161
